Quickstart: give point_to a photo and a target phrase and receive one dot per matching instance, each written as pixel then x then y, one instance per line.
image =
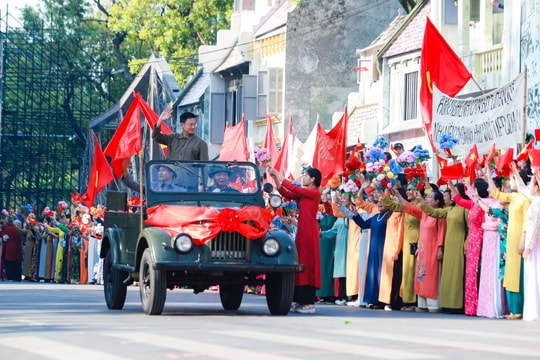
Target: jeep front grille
pixel 231 247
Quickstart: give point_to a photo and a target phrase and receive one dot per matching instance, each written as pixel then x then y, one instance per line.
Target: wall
pixel 322 37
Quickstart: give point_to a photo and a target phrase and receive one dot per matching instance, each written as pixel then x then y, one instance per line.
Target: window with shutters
pixel 475 10
pixel 410 101
pixel 275 90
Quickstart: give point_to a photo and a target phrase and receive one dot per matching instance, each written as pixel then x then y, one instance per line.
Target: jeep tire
pixel 231 295
pixel 279 292
pixel 153 285
pixel 113 286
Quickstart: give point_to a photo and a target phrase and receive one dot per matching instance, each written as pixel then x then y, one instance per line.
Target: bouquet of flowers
pixel 415 176
pixel 334 181
pixel 350 188
pixel 386 179
pixel 412 168
pixel 407 159
pixel 62 205
pixel 375 160
pixel 380 142
pixel 354 166
pixel 262 155
pixel 421 154
pixel 447 143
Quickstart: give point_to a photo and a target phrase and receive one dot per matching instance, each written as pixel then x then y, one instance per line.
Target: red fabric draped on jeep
pixel 204 223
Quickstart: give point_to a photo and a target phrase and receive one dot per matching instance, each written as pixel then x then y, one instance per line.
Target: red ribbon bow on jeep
pixel 204 223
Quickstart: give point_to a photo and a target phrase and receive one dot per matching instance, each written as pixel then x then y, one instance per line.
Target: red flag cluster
pixel 126 142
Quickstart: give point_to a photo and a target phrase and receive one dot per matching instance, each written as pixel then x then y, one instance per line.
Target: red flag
pixel 442 162
pixel 472 159
pixel 152 118
pixel 452 172
pixel 491 154
pixel 283 158
pixel 502 162
pixel 127 140
pixel 524 153
pixel 537 134
pixel 330 149
pixel 535 158
pixel 439 64
pixel 234 145
pixel 270 141
pixel 100 174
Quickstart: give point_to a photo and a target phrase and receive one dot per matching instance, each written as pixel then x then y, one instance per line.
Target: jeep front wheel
pixel 279 292
pixel 231 295
pixel 153 286
pixel 113 286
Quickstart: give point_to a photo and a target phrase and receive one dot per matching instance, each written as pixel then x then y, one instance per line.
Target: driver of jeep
pixel 220 175
pixel 166 176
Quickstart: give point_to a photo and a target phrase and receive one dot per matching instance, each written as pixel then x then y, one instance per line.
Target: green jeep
pixel 202 223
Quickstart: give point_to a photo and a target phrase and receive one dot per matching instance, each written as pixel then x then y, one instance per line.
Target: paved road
pixel 50 321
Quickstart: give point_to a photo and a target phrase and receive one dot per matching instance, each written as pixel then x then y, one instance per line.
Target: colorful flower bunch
pixel 407 159
pixel 26 209
pixel 287 206
pixel 415 176
pixel 381 142
pixel 354 165
pixel 374 168
pixel 412 168
pixel 387 178
pixel 421 154
pixel 350 188
pixel 334 181
pixel 447 143
pixel 262 155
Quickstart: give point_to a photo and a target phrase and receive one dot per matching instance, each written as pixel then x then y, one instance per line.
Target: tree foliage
pixel 172 28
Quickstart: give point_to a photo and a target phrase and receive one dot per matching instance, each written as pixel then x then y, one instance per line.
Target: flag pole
pixel 525 106
pixel 141 180
pixel 478 85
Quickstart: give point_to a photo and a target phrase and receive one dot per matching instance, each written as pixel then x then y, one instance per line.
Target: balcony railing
pixel 488 62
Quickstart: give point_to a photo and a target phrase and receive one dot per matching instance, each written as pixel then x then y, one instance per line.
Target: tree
pixel 173 28
pixel 58 76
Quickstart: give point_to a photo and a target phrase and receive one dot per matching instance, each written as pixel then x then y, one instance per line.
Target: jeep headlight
pixel 271 247
pixel 274 201
pixel 183 243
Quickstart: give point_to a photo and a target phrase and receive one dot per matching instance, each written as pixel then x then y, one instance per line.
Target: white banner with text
pixel 495 117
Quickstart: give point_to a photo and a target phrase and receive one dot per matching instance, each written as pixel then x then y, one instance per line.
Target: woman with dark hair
pixel 307 197
pixel 490 289
pixel 473 245
pixel 511 269
pixel 411 233
pixel 377 223
pixel 429 253
pixel 453 264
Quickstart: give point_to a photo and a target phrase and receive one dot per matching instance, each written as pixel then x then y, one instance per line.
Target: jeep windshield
pixel 202 177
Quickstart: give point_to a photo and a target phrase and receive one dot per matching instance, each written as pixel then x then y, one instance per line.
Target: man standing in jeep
pixel 181 146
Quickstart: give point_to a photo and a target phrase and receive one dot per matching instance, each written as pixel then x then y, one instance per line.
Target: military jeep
pixel 193 231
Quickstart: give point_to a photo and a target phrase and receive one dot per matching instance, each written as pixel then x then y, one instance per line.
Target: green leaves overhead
pixel 172 28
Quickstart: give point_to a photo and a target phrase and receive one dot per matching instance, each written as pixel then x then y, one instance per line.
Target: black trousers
pixel 304 294
pixel 13 270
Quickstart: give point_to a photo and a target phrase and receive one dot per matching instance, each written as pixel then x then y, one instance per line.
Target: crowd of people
pixel 411 245
pixel 379 236
pixel 60 246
